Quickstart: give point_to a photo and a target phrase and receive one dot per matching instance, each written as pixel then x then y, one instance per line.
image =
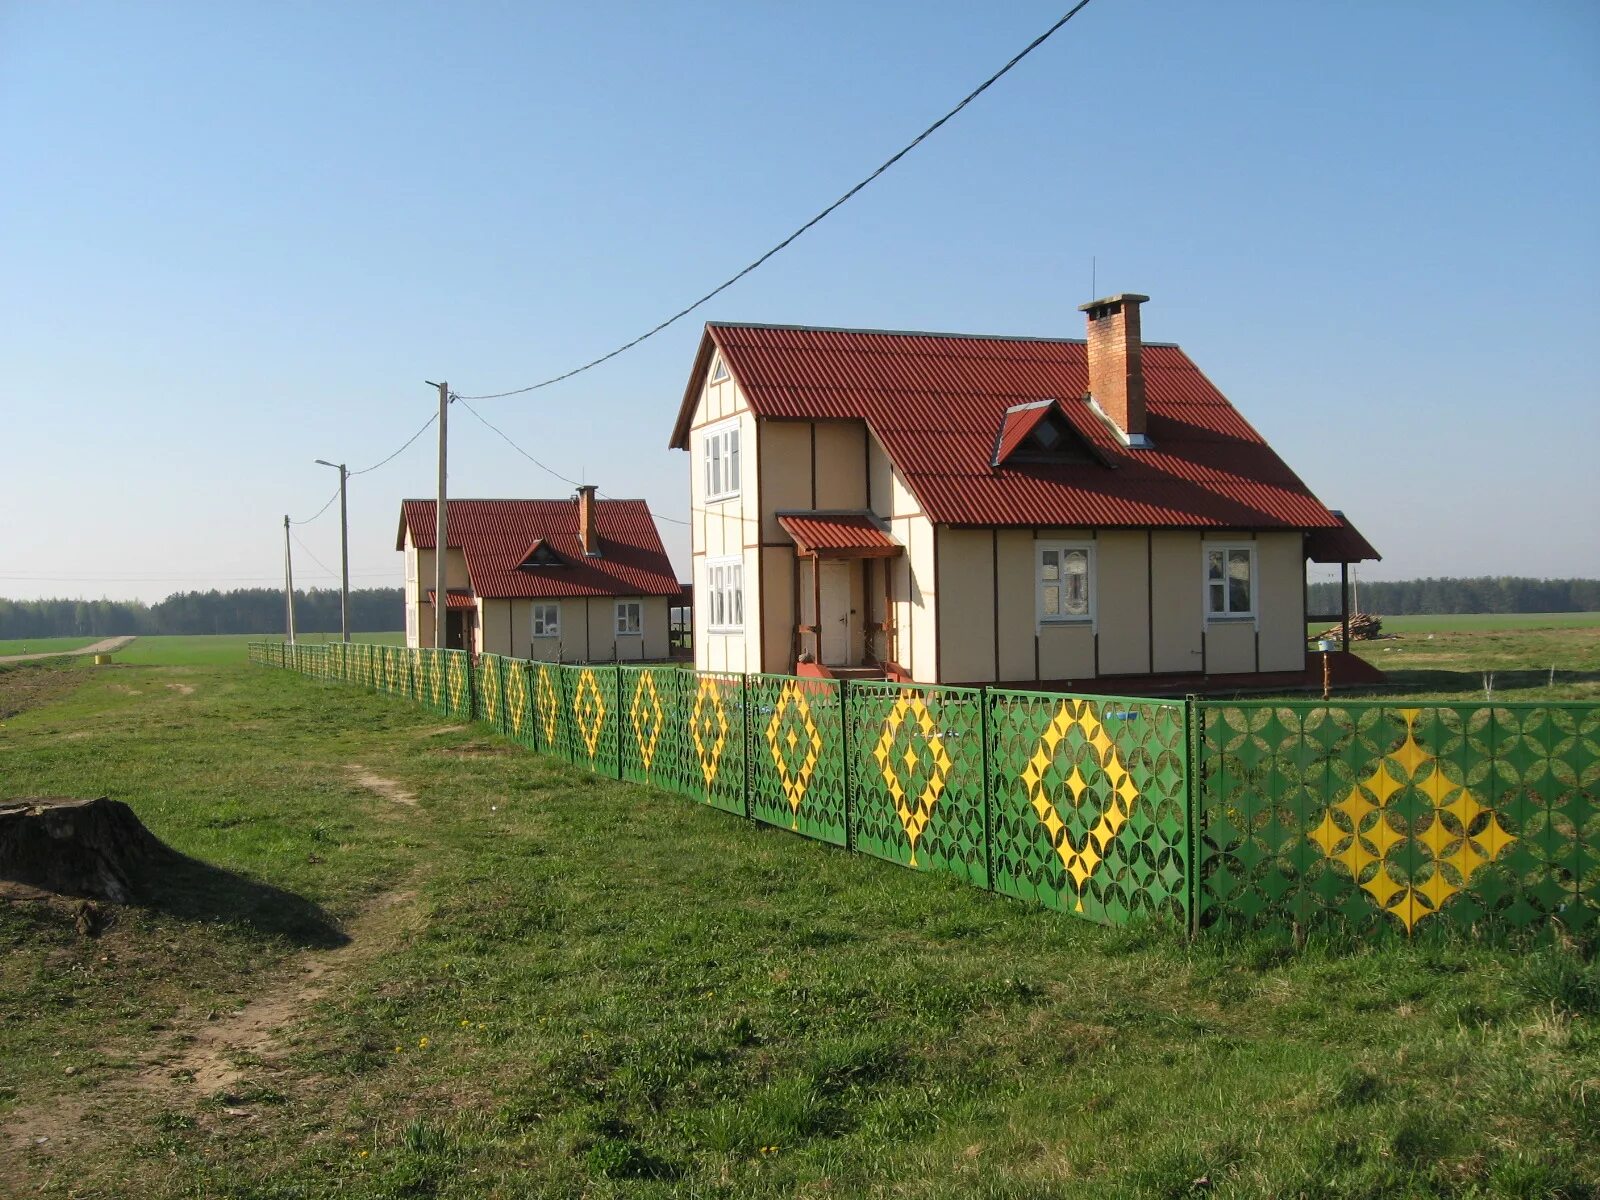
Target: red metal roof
pixel 495 536
pixel 936 401
pixel 839 535
pixel 454 598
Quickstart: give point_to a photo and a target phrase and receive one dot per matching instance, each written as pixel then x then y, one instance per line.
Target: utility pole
pixel 440 542
pixel 288 577
pixel 344 548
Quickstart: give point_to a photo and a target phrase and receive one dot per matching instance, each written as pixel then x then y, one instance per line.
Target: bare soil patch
pixel 183 689
pixel 30 686
pixel 387 788
pixel 201 1058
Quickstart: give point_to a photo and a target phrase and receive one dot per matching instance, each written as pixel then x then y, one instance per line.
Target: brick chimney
pixel 1116 362
pixel 586 534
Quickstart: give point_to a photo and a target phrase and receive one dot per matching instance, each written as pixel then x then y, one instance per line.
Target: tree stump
pixel 94 848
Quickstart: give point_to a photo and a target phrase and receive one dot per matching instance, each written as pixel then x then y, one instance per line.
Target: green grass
pixel 1431 623
pixel 44 645
pixel 223 649
pixel 570 986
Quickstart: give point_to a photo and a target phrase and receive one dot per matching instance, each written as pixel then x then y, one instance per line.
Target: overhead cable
pixel 826 212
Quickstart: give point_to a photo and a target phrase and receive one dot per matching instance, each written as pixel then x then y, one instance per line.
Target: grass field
pixel 43 645
pixel 410 959
pixel 1455 622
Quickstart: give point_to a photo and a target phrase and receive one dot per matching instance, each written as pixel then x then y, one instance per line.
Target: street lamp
pixel 344 548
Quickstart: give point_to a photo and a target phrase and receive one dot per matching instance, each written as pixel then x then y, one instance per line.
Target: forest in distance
pixel 374 610
pixel 241 610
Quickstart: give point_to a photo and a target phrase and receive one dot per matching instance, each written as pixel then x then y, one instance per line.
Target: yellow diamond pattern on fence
pixel 792 706
pixel 549 701
pixel 435 678
pixel 589 707
pixel 491 687
pixel 1080 860
pixel 914 814
pixel 516 699
pixel 647 717
pixel 456 678
pixel 1449 842
pixel 708 725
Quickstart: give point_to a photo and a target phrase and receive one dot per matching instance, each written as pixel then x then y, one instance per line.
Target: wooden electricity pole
pixel 288 577
pixel 441 598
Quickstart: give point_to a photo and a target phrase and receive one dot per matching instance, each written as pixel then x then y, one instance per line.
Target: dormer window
pixel 540 554
pixel 1040 433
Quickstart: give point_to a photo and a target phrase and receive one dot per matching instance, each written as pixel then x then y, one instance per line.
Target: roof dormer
pixel 1040 432
pixel 540 554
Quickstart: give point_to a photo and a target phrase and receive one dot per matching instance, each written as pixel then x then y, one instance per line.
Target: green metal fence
pixel 1266 814
pixel 1382 815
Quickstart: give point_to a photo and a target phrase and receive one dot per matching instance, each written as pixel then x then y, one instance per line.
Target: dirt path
pixel 203 1058
pixel 104 646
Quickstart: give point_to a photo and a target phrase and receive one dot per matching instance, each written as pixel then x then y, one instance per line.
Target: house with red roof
pixel 970 509
pixel 575 580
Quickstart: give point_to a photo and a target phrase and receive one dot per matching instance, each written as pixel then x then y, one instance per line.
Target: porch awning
pixel 1342 545
pixel 839 535
pixel 455 598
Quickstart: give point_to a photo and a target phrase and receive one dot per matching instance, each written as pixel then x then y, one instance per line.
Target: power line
pixel 826 212
pixel 366 470
pixel 506 437
pixel 326 569
pixel 177 578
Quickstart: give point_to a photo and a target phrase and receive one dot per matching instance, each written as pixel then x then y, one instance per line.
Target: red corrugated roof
pixel 937 401
pixel 854 535
pixel 495 536
pixel 454 598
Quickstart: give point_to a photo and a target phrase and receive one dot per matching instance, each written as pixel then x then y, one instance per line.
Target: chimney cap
pixel 1119 298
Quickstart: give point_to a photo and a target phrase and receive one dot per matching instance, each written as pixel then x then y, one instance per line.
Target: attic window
pixel 1052 440
pixel 719 370
pixel 539 554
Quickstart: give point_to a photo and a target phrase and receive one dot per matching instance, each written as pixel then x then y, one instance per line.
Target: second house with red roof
pixel 975 510
pixel 575 580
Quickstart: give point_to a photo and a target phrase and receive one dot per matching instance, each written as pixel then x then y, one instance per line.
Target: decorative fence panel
pixel 917 784
pixel 1265 813
pixel 1393 816
pixel 1088 804
pixel 590 697
pixel 795 743
pixel 654 727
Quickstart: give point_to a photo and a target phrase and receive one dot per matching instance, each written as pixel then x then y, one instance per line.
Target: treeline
pixel 1485 594
pixel 243 610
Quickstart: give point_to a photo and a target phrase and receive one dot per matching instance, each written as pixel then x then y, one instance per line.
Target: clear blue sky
pixel 237 237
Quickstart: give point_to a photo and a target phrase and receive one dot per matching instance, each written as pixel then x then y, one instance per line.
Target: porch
pixel 842 570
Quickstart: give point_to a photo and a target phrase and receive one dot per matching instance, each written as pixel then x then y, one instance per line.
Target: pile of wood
pixel 1364 627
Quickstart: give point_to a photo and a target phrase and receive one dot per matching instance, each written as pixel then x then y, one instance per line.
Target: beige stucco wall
pixel 725 528
pixel 587 630
pixel 1177 591
pixel 419 581
pixel 1282 566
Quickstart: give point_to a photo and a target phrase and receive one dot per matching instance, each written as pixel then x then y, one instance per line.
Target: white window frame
pixel 552 621
pixel 719 370
pixel 622 621
pixel 721 460
pixel 1228 549
pixel 1061 549
pixel 725 594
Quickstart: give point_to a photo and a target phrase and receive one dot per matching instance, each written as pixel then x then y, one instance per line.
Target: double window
pixel 546 620
pixel 721 452
pixel 1064 579
pixel 630 618
pixel 1230 579
pixel 725 595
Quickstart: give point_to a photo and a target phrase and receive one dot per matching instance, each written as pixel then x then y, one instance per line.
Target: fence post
pixel 744 734
pixel 617 669
pixel 844 765
pixel 988 787
pixel 1193 750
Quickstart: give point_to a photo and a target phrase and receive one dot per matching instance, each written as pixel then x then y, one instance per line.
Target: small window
pixel 630 618
pixel 725 595
pixel 719 370
pixel 546 620
pixel 1230 580
pixel 1064 578
pixel 721 453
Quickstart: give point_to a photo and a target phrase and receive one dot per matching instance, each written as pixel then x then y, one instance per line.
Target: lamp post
pixel 344 548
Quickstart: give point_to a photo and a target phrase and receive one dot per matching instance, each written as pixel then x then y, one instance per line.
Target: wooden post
pixel 816 603
pixel 1344 607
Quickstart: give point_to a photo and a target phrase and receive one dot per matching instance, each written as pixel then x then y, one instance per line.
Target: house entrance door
pixel 835 618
